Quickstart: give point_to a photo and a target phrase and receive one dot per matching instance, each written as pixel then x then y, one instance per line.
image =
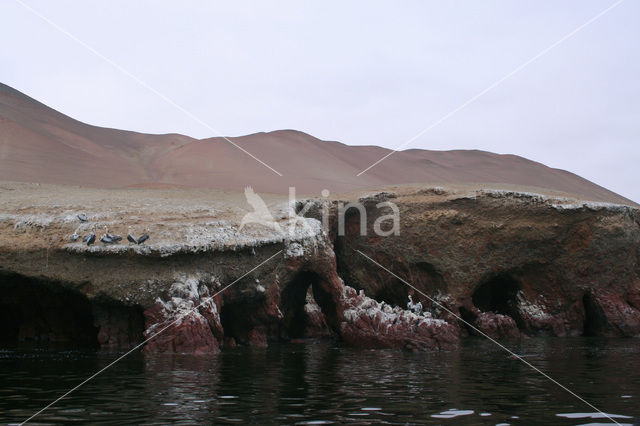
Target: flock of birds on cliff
pixel 106 238
pixel 416 308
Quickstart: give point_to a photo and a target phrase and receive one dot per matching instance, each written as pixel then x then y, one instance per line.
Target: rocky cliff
pixel 503 263
pixel 508 263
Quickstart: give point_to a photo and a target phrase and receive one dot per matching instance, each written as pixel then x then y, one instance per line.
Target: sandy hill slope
pixel 39 144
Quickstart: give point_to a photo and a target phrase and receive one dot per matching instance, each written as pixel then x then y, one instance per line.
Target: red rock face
pixel 314 319
pixel 308 300
pixel 611 315
pixel 187 323
pixel 367 323
pixel 549 267
pixel 363 322
pixel 188 335
pixel 510 265
pixel 497 326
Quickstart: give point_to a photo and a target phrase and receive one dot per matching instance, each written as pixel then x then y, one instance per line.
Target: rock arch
pixel 300 317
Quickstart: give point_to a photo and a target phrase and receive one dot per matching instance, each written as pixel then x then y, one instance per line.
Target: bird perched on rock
pixel 144 237
pixel 113 238
pixel 106 239
pixel 91 238
pixel 130 237
pixel 82 217
pixel 416 308
pixel 75 235
pixel 106 233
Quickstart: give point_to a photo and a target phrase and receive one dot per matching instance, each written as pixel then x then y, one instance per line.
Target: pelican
pixel 417 308
pixel 82 217
pixel 91 238
pixel 75 235
pixel 144 237
pixel 106 240
pixel 113 238
pixel 410 305
pixel 107 234
pixel 130 237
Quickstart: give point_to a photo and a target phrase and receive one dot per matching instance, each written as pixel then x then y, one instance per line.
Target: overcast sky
pixel 358 72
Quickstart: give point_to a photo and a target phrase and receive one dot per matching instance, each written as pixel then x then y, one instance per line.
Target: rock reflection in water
pixel 320 381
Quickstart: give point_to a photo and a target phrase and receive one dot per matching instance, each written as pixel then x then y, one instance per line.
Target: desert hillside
pixel 39 144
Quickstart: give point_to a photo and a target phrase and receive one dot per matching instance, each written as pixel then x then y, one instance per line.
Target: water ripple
pixel 322 383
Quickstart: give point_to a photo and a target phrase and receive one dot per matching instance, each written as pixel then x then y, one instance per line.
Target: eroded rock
pixel 526 256
pixel 315 321
pixel 188 322
pixel 497 326
pixel 518 263
pixel 609 314
pixel 367 323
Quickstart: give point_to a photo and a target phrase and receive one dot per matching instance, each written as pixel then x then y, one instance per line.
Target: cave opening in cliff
pixel 594 320
pixel 42 311
pixel 499 294
pixel 238 318
pixel 298 321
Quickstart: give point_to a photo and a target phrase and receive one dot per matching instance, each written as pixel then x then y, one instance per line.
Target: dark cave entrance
pixel 238 318
pixel 594 320
pixel 499 294
pixel 243 316
pixel 46 312
pixel 33 310
pixel 295 322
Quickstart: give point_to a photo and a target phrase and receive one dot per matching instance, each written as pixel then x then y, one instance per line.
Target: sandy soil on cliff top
pixel 38 215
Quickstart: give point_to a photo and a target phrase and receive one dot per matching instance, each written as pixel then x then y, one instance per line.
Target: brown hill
pixel 39 144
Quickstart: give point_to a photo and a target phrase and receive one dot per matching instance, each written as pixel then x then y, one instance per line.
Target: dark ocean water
pixel 320 381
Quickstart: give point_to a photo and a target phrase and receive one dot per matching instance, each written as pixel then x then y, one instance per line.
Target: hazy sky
pixel 359 72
